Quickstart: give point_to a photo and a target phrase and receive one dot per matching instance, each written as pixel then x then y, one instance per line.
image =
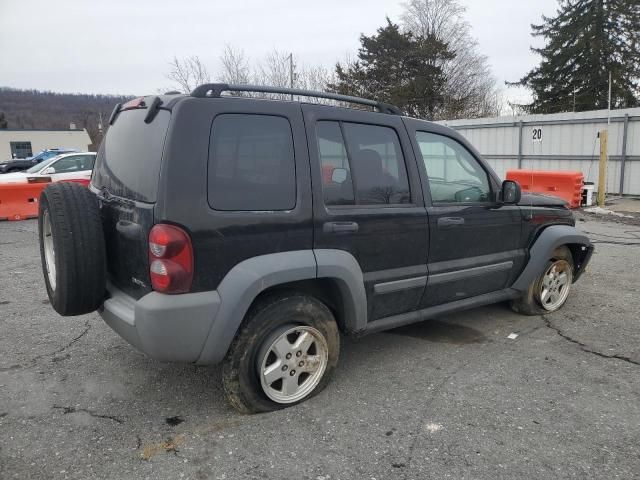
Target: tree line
pixel 34 109
pixel 587 43
pixel 428 64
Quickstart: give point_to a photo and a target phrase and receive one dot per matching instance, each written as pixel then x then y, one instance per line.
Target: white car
pixel 68 167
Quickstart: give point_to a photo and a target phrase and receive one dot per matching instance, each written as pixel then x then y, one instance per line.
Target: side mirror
pixel 48 171
pixel 339 175
pixel 511 192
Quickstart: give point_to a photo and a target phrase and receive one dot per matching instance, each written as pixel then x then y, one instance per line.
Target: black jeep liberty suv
pixel 254 232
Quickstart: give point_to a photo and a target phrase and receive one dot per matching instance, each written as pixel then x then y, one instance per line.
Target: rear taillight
pixel 170 259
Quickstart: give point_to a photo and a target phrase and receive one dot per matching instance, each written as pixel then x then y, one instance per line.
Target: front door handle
pixel 340 227
pixel 448 222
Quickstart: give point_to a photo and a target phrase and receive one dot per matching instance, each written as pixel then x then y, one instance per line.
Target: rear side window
pixel 361 164
pixel 128 163
pixel 251 163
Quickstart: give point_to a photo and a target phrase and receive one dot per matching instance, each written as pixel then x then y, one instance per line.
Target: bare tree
pixel 275 71
pixel 235 66
pixel 470 88
pixel 188 73
pixel 314 77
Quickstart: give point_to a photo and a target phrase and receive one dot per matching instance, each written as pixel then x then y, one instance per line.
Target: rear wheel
pixel 72 248
pixel 550 290
pixel 284 353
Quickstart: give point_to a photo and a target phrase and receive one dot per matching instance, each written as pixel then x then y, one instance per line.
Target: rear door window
pixel 251 163
pixel 337 185
pixel 361 164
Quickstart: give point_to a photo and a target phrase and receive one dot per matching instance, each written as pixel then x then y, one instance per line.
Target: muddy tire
pixel 550 290
pixel 284 353
pixel 72 248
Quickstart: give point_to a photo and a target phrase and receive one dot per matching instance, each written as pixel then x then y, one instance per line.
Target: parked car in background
pixel 21 164
pixel 67 167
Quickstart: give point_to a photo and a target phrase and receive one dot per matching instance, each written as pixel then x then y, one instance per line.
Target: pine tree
pixel 398 68
pixel 585 41
pixel 3 121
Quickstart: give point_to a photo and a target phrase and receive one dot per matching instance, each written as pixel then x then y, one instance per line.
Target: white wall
pixel 43 139
pixel 569 142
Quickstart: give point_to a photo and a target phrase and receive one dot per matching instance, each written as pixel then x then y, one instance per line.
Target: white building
pixel 25 143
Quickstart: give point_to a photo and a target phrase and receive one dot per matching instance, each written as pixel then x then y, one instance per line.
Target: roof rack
pixel 213 90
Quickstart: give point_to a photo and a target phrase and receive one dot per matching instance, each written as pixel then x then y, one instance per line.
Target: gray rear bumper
pixel 166 327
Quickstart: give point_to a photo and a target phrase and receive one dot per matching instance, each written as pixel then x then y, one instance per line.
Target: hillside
pixel 49 110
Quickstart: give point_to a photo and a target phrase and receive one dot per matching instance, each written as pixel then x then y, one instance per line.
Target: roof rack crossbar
pixel 214 90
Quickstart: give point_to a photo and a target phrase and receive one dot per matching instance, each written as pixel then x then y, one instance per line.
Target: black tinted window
pixel 337 186
pixel 377 164
pixel 251 163
pixel 128 163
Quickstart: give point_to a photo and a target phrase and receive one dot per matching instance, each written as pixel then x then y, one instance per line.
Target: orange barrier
pixel 327 174
pixel 19 201
pixel 566 185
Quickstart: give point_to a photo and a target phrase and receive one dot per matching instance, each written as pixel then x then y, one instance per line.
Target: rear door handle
pixel 448 222
pixel 340 227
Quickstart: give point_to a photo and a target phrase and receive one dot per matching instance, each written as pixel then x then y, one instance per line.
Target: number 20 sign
pixel 537 134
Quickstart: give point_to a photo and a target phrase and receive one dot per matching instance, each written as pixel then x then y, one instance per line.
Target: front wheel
pixel 284 353
pixel 550 290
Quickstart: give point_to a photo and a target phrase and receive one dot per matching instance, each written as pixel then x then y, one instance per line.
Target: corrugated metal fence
pixel 562 141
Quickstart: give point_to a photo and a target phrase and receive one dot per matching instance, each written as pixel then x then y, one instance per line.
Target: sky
pixel 125 46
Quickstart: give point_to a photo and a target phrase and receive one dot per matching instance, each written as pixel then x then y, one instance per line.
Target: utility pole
pixel 609 107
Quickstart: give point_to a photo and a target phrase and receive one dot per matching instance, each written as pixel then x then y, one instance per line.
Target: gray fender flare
pixel 551 238
pixel 345 270
pixel 249 278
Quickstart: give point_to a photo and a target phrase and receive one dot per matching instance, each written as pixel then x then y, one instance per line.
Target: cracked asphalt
pixel 448 398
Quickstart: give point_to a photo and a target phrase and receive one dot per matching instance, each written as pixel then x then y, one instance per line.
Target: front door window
pixel 455 176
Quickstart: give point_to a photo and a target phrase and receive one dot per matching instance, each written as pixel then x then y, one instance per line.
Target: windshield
pixel 39 156
pixel 39 166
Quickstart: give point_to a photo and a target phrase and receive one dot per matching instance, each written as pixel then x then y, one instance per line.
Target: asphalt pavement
pixel 483 394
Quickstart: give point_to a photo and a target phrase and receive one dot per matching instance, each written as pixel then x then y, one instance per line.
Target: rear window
pixel 128 163
pixel 251 163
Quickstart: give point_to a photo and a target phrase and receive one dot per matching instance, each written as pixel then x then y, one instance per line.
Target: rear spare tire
pixel 72 248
